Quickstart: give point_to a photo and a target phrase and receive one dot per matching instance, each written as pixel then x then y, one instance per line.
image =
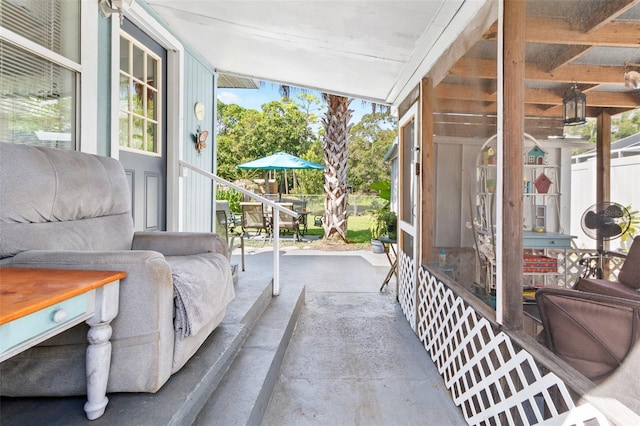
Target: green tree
pixel 309 104
pixel 234 126
pixel 371 138
pixel 625 125
pixel 245 135
pixel 311 181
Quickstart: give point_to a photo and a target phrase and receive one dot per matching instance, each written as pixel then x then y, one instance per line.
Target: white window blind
pixel 38 96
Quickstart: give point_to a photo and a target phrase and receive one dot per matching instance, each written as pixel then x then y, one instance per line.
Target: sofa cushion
pixel 630 273
pixel 69 200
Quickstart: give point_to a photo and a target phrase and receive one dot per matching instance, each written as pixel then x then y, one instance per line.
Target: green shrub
pixel 232 196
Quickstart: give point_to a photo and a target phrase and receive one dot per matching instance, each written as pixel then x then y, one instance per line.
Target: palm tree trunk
pixel 336 137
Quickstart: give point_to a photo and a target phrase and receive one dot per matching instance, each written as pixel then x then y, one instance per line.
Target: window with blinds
pixel 39 72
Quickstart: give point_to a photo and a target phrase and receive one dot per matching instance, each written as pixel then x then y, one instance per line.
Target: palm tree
pixel 335 147
pixel 336 124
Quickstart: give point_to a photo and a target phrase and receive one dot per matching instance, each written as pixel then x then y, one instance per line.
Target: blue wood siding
pixel 198 190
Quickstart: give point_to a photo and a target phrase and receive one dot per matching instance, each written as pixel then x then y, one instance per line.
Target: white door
pixel 408 206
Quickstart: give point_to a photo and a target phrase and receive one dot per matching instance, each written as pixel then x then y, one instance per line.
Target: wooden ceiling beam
pixel 539 96
pixel 568 54
pixel 610 10
pixel 476 131
pixel 582 74
pixel 559 31
pixel 450 118
pixel 456 106
pixel 463 91
pixel 601 99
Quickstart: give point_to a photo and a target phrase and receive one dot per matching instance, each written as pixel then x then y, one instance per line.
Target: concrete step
pixel 242 396
pixel 180 400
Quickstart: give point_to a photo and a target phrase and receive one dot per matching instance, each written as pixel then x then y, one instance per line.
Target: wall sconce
pixel 201 137
pixel 574 107
pixel 109 7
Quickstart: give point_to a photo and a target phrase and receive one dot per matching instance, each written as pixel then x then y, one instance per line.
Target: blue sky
pixel 254 98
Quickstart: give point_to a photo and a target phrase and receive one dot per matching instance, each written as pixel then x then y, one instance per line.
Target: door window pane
pixel 139 96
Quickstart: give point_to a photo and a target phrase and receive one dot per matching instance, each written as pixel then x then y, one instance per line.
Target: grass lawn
pixel 358 235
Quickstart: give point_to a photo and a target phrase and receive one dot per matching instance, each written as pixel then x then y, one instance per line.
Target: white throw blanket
pixel 202 286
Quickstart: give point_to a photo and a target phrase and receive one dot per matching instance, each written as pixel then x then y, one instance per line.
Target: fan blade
pixel 592 220
pixel 609 230
pixel 613 211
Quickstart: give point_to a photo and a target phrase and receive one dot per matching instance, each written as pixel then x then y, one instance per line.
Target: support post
pixel 427 178
pixel 511 232
pixel 603 168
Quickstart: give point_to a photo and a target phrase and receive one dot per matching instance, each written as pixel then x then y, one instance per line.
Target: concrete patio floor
pixel 352 359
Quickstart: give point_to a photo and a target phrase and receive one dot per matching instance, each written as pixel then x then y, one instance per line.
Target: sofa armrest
pixel 609 288
pixel 146 294
pixel 179 243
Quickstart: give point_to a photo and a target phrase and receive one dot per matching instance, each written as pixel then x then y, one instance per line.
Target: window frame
pixel 24 43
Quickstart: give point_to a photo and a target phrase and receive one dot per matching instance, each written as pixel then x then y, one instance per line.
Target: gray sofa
pixel 69 210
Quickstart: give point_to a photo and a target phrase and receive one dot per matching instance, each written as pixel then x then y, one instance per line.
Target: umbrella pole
pixel 286 182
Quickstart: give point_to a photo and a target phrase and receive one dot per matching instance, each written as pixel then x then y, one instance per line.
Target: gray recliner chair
pixel 69 210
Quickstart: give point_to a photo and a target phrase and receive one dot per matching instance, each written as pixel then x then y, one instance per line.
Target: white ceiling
pixel 373 50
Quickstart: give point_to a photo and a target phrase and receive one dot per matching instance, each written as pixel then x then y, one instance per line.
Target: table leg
pixel 393 262
pixel 99 349
pixel 392 271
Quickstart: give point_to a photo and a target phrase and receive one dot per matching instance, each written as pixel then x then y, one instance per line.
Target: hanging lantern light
pixel 574 107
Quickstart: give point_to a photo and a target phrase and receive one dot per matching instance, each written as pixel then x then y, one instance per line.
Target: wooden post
pixel 512 171
pixel 603 171
pixel 427 179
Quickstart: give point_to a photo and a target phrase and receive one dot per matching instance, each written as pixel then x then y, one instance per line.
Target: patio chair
pixel 288 222
pixel 254 217
pixel 592 332
pixel 232 219
pixel 222 229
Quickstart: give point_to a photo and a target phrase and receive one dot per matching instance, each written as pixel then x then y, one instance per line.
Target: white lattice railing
pixel 406 288
pixel 490 378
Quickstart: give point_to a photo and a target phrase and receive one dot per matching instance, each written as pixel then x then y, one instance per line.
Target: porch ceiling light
pixel 574 107
pixel 109 7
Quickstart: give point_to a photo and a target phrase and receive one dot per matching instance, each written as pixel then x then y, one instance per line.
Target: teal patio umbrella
pixel 281 161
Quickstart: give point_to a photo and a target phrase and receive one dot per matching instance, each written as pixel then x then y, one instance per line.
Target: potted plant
pixel 383 221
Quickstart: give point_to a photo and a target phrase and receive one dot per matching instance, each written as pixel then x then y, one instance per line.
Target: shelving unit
pixel 541 212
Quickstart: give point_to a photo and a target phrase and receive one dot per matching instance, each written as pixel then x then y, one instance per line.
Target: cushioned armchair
pixel 68 210
pixel 595 325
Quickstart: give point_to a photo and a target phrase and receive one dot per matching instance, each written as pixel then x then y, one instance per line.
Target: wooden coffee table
pixel 37 304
